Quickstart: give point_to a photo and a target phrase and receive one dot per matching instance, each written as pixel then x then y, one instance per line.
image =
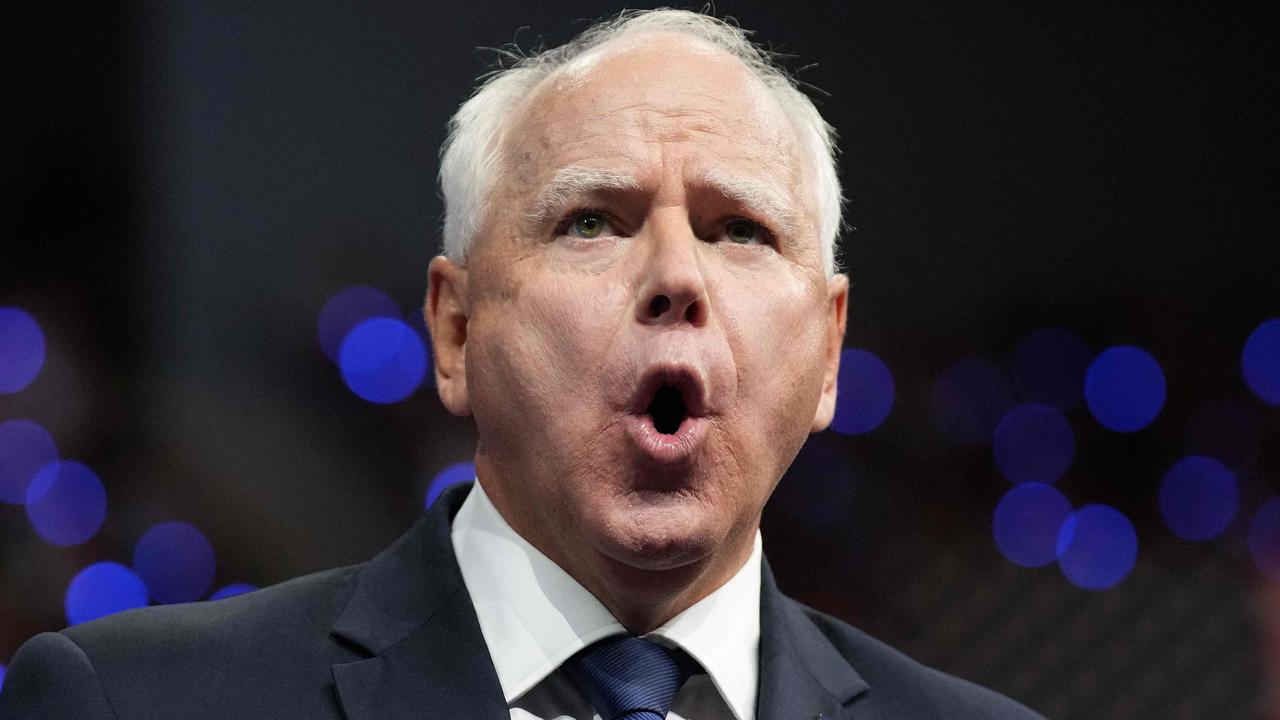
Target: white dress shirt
pixel 534 616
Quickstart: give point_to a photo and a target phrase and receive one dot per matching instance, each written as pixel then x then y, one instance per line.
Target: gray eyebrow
pixel 577 180
pixel 760 195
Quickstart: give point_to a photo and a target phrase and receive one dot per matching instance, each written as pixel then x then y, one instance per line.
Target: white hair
pixel 472 154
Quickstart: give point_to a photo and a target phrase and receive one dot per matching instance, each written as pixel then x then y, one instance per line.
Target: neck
pixel 641 599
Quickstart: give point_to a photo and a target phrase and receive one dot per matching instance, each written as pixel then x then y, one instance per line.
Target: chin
pixel 657 531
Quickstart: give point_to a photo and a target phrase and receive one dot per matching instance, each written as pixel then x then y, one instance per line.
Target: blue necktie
pixel 629 678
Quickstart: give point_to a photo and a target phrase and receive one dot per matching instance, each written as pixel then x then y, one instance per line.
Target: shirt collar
pixel 534 616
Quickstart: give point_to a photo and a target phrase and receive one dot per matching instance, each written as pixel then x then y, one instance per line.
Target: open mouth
pixel 667 409
pixel 667 418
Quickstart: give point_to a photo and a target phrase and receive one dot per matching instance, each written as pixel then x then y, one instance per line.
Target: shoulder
pixel 296 609
pixel 904 687
pixel 189 659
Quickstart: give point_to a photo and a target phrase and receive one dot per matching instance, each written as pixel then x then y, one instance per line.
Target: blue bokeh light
pixel 22 349
pixel 383 360
pixel 1264 538
pixel 1260 362
pixel 458 472
pixel 1226 430
pixel 66 503
pixel 347 309
pixel 1049 367
pixel 968 400
pixel 1124 388
pixel 1097 547
pixel 1034 443
pixel 1 677
pixel 101 589
pixel 1198 498
pixel 1027 521
pixel 25 449
pixel 418 324
pixel 175 561
pixel 864 392
pixel 232 590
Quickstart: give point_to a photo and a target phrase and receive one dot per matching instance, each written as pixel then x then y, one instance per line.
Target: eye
pixel 742 231
pixel 586 224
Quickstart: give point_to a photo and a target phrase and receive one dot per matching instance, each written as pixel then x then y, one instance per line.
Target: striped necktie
pixel 630 678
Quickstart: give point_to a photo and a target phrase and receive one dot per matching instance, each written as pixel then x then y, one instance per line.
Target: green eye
pixel 743 232
pixel 588 224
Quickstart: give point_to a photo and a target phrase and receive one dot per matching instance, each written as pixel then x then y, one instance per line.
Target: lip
pixel 663 448
pixel 669 448
pixel 683 377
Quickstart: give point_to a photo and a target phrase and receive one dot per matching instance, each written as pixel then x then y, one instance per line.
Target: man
pixel 639 306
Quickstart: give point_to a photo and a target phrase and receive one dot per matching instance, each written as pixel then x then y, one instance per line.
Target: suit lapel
pixel 411 612
pixel 802 677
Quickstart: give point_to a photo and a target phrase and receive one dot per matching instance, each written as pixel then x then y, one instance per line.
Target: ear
pixel 837 305
pixel 446 312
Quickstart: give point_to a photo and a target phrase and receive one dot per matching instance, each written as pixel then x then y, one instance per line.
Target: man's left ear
pixel 837 305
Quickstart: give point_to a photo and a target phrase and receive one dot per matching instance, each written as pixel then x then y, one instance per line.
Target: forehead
pixel 646 102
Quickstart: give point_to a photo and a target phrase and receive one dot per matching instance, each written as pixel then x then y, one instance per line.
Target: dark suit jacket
pixel 397 638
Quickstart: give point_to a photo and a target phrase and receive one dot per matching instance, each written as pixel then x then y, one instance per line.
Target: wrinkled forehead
pixel 624 101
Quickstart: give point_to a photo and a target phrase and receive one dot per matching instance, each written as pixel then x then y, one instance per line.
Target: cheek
pixel 526 348
pixel 580 318
pixel 777 331
pixel 776 328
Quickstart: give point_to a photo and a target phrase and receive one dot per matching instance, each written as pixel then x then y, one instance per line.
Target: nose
pixel 673 289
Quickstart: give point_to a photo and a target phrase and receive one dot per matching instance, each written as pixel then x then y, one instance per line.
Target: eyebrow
pixel 760 195
pixel 578 180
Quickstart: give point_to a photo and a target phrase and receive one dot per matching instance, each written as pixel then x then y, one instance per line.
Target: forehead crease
pixel 644 153
pixel 692 102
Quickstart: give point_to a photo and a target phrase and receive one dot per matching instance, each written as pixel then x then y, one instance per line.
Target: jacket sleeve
pixel 51 678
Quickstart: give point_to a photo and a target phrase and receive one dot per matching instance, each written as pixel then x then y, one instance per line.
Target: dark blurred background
pixel 185 187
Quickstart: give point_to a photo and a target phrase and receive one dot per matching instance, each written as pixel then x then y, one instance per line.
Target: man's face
pixel 650 334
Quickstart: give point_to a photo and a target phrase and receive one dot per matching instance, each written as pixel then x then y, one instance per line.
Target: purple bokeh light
pixel 1027 522
pixel 1264 538
pixel 22 349
pixel 968 400
pixel 1198 498
pixel 1034 443
pixel 864 393
pixel 817 491
pixel 1097 547
pixel 1124 388
pixel 25 450
pixel 175 561
pixel 1049 367
pixel 347 309
pixel 66 503
pixel 1260 362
